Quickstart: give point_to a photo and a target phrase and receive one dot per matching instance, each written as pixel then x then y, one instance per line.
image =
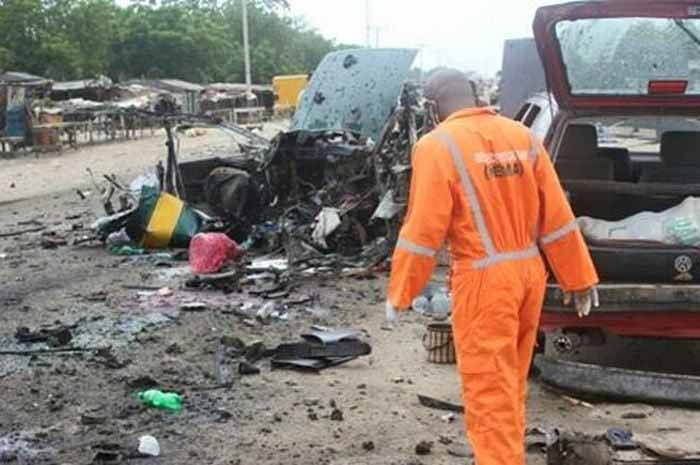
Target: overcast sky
pixel 466 34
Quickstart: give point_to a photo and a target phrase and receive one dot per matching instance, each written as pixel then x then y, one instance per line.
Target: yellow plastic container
pixel 287 89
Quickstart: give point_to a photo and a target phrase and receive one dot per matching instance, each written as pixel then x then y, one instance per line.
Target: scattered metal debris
pixel 578 449
pixel 430 402
pixel 20 447
pixel 328 193
pixel 54 337
pixel 20 232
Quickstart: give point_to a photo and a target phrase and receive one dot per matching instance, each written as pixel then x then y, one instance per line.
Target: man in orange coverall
pixel 484 184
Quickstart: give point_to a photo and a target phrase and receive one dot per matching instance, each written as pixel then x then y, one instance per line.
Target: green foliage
pixel 7 59
pixel 195 40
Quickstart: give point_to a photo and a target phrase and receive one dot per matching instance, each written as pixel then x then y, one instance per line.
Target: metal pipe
pixel 246 49
pixel 367 25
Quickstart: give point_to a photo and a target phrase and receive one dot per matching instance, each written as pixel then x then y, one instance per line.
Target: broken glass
pixel 354 90
pixel 619 56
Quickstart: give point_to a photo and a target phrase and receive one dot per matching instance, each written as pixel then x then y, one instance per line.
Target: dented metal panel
pixel 354 90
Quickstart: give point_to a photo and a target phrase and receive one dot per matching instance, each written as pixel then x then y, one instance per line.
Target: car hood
pixel 614 54
pixel 354 90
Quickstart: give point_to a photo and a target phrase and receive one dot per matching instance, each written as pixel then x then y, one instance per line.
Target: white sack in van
pixel 679 225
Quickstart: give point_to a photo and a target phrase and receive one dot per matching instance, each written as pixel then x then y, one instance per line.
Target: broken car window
pixel 619 56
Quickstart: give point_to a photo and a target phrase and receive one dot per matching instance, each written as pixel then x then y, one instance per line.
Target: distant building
pixel 17 89
pixel 97 90
pixel 187 93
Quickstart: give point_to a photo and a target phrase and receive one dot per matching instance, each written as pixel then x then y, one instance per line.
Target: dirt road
pixel 78 405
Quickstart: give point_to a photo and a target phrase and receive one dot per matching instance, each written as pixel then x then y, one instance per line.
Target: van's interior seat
pixel 680 157
pixel 577 157
pixel 680 148
pixel 622 163
pixel 581 169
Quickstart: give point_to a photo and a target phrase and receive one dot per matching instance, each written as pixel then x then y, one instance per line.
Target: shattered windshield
pixel 354 90
pixel 621 55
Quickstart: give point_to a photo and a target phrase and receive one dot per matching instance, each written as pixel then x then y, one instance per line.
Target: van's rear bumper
pixel 640 310
pixel 619 384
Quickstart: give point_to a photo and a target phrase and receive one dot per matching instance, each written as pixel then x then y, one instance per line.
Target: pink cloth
pixel 210 251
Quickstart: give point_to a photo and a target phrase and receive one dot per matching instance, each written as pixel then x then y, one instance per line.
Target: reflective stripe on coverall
pixel 481 182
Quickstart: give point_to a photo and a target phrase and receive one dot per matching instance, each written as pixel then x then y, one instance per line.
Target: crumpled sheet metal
pixel 327 221
pixel 387 208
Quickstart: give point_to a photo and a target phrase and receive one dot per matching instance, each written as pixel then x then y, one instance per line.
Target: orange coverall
pixel 481 182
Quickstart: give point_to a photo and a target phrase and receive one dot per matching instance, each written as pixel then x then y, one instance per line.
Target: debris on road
pixel 327 193
pixel 424 448
pixel 21 232
pixel 577 402
pixel 161 400
pixel 621 439
pixel 336 414
pixel 20 447
pixel 247 368
pixel 635 411
pixel 209 252
pixel 320 351
pixel 55 336
pixel 438 342
pixel 578 449
pixel 149 446
pixel 436 404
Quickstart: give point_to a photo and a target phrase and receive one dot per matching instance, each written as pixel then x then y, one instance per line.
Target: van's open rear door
pixel 639 54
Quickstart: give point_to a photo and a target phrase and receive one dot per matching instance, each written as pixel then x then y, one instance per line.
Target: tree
pixel 196 40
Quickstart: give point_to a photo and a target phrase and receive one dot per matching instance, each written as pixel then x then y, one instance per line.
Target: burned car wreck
pixel 332 189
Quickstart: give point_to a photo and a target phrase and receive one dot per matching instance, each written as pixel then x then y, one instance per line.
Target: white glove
pixel 583 301
pixel 392 316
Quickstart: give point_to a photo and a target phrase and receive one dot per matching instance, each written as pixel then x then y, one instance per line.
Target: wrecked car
pixel 337 181
pixel 632 68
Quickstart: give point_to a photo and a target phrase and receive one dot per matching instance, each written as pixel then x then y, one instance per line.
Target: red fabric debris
pixel 209 252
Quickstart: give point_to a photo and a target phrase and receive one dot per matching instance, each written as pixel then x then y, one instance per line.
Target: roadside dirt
pixel 74 402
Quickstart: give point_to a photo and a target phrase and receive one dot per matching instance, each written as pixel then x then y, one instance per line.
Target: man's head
pixel 451 91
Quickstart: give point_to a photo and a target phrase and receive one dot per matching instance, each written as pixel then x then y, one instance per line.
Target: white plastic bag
pixel 679 225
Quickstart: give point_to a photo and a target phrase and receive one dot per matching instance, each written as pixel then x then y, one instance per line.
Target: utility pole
pixel 246 49
pixel 421 59
pixel 368 31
